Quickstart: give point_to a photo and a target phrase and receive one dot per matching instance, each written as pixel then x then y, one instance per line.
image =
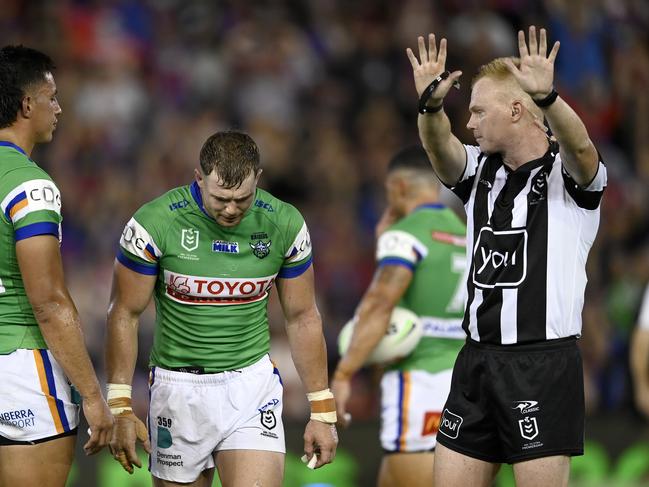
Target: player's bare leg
pixel 543 471
pixel 411 469
pixel 250 468
pixel 452 469
pixel 204 480
pixel 37 465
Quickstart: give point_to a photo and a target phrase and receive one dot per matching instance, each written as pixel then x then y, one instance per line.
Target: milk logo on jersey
pixel 31 196
pixel 528 427
pixel 450 424
pixel 218 291
pixel 225 247
pixel 526 407
pixel 189 239
pixel 500 258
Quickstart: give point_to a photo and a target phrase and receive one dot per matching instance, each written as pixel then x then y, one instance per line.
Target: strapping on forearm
pixel 323 406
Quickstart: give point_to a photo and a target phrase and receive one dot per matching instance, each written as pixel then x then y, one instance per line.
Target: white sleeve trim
pixel 400 244
pixel 135 239
pixel 300 249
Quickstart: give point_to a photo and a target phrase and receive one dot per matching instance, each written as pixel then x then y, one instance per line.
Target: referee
pixel 532 204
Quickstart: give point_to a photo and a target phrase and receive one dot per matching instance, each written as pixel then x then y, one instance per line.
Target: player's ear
pixel 198 176
pixel 259 171
pixel 26 107
pixel 517 110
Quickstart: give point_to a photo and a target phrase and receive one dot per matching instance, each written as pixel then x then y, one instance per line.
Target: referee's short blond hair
pixel 498 70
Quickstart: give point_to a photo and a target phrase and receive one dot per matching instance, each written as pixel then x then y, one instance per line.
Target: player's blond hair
pixel 498 70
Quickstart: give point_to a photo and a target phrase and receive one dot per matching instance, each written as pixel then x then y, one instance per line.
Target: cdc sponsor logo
pixel 500 258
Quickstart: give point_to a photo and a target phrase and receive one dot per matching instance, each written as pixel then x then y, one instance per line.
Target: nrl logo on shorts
pixel 529 428
pixel 260 248
pixel 268 419
pixel 189 239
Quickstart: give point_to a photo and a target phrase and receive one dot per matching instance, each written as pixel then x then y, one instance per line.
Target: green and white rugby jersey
pixel 30 205
pixel 431 242
pixel 213 282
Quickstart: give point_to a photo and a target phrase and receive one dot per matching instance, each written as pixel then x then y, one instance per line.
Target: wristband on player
pixel 428 92
pixel 548 100
pixel 118 397
pixel 323 406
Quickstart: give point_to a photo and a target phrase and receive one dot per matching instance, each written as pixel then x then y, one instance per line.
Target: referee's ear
pixel 517 111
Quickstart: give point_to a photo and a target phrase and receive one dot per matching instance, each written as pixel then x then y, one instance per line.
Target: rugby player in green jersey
pixel 210 253
pixel 421 260
pixel 42 348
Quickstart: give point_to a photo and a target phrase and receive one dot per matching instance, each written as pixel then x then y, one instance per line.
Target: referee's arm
pixel 578 153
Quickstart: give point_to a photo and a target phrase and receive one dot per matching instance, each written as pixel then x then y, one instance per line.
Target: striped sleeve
pixel 138 250
pixel 463 187
pixel 34 208
pixel 396 247
pixel 298 257
pixel 590 196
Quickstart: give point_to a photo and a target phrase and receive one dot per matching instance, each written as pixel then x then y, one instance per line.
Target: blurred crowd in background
pixel 326 90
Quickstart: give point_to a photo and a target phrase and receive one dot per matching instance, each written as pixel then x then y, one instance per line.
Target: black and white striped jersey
pixel 530 231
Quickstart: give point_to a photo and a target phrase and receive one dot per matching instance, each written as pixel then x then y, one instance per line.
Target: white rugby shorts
pixel 193 416
pixel 35 398
pixel 411 407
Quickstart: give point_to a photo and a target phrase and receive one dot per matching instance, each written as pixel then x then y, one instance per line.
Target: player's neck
pixel 426 198
pixel 525 150
pixel 18 137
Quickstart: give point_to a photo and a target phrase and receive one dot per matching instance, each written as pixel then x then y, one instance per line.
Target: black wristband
pixel 548 100
pixel 425 96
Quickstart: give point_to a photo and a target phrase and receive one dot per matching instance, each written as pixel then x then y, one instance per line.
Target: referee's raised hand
pixel 431 63
pixel 536 72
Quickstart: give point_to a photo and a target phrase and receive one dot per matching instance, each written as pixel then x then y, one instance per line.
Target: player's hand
pixel 431 63
pixel 342 390
pixel 320 439
pixel 127 431
pixel 536 73
pixel 100 421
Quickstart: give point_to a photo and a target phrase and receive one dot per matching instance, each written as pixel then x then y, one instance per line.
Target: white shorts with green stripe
pixel 412 402
pixel 35 398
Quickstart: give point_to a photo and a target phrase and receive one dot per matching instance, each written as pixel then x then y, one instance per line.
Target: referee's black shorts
pixel 516 402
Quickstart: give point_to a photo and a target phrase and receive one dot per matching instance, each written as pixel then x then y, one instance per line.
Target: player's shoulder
pixel 274 208
pixel 160 209
pixel 16 169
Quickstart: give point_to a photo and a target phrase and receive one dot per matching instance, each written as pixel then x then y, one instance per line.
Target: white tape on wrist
pixel 114 391
pixel 319 395
pixel 118 397
pixel 329 418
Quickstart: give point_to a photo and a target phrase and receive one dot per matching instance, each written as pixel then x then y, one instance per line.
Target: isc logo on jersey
pixel 216 291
